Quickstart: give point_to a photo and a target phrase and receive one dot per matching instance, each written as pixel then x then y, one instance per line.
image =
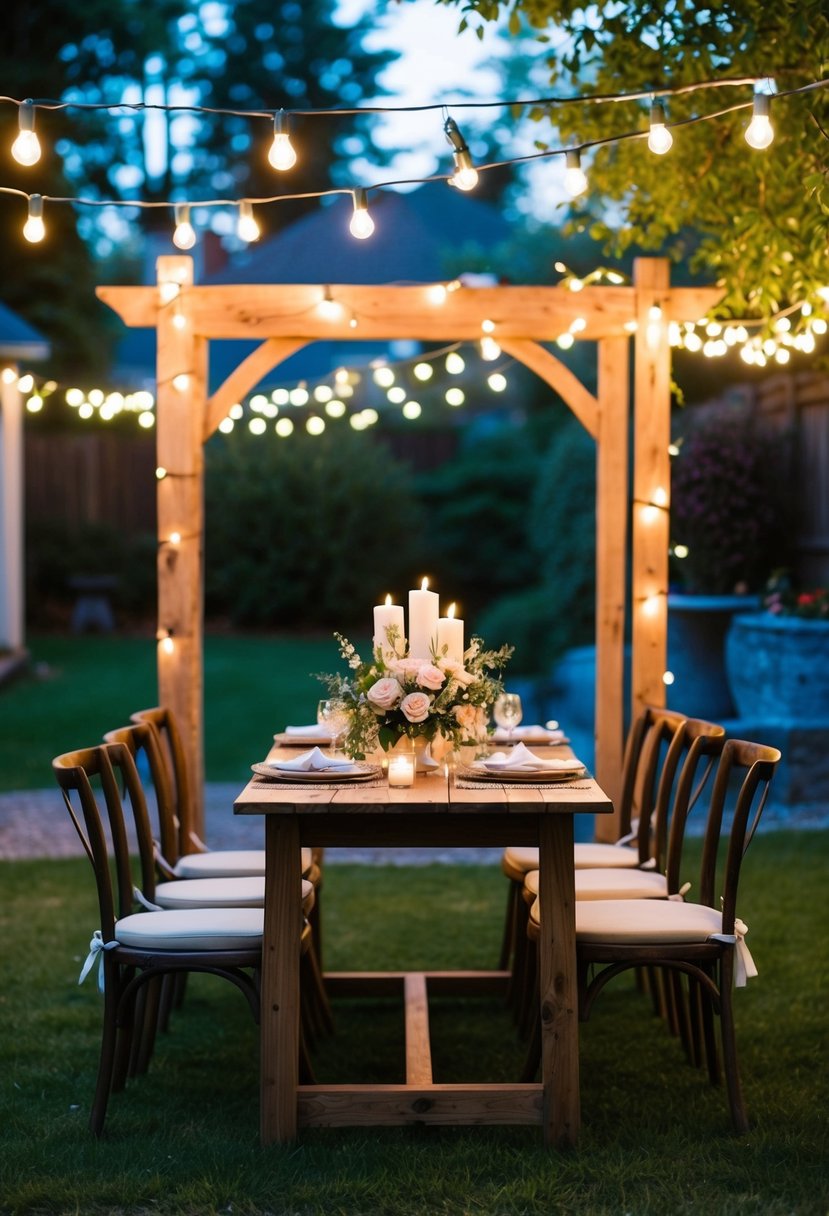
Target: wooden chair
pixel 222 885
pixel 656 742
pixel 190 856
pixel 704 941
pixel 135 950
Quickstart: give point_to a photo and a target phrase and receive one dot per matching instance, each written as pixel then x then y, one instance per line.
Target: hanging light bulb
pixel 465 176
pixel 362 225
pixel 659 137
pixel 760 132
pixel 26 148
pixel 247 228
pixel 575 179
pixel 184 236
pixel 282 154
pixel 33 229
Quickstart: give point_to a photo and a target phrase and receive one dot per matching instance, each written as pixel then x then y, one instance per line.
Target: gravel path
pixel 35 823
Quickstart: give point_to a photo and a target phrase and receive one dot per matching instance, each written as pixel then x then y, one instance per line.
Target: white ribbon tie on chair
pixel 744 966
pixel 96 949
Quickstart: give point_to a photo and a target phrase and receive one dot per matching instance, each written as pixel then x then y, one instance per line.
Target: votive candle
pixel 401 771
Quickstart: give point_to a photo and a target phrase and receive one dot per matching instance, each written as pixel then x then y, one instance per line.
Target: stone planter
pixel 778 666
pixel 697 630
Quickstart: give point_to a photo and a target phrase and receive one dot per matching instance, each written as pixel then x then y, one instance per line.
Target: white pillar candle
pixel 450 635
pixel 423 621
pixel 401 770
pixel 385 615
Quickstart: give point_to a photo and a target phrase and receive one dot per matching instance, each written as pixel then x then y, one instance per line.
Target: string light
pixel 184 236
pixel 759 132
pixel 26 147
pixel 465 176
pixel 659 137
pixel 575 179
pixel 247 228
pixel 34 229
pixel 328 308
pixel 282 154
pixel 362 225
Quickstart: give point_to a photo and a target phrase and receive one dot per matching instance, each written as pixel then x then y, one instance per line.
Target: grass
pixel 183 1139
pixel 81 686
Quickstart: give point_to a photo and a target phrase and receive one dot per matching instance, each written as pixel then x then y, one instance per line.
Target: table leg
pixel 559 989
pixel 279 1025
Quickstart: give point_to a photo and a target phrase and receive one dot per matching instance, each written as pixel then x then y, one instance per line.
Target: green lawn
pixel 80 687
pixel 183 1139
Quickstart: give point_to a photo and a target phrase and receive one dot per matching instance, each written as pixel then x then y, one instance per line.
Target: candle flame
pixel 388 601
pixel 450 612
pixel 424 586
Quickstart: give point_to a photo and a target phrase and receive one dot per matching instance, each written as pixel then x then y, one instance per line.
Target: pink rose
pixel 429 676
pixel 384 694
pixel 416 706
pixel 407 669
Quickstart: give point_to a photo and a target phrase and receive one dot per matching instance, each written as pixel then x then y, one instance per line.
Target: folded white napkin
pixel 315 761
pixel 541 733
pixel 314 729
pixel 522 758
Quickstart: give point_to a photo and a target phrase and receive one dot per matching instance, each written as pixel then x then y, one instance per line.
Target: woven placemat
pixel 375 783
pixel 478 783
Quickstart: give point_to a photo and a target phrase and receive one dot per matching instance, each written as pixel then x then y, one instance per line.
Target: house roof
pixel 418 238
pixel 19 339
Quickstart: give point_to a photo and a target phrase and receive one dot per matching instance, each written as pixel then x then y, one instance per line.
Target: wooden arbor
pixel 285 318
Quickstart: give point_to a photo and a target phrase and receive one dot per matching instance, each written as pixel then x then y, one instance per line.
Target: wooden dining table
pixel 435 812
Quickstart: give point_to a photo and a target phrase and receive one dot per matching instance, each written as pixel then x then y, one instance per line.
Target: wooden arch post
pixel 283 318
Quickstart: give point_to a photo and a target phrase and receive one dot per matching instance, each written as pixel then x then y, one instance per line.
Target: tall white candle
pixel 450 635
pixel 423 621
pixel 385 615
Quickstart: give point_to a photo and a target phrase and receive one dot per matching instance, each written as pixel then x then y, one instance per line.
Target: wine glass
pixel 332 716
pixel 507 711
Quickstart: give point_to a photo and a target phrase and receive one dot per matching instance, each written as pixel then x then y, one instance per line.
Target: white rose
pixel 384 694
pixel 458 672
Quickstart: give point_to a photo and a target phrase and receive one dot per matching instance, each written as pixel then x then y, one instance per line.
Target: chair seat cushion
pixel 229 863
pixel 588 855
pixel 192 929
pixel 608 883
pixel 224 863
pixel 611 884
pixel 245 892
pixel 645 920
pixel 518 860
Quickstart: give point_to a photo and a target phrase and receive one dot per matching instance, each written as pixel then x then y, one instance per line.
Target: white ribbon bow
pixel 96 949
pixel 744 965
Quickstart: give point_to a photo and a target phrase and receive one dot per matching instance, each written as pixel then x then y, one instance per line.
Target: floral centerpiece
pixel 445 695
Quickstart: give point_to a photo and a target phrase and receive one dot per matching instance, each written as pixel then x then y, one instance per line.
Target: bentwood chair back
pixel 657 741
pixel 136 949
pixel 701 943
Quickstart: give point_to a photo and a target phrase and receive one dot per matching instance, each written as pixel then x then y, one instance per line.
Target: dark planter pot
pixel 697 629
pixel 778 666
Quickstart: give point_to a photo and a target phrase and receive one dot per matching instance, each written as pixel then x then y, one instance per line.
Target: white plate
pixel 526 774
pixel 355 772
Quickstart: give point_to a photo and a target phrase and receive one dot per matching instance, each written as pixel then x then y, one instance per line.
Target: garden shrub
pixel 559 612
pixel 308 531
pixel 729 506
